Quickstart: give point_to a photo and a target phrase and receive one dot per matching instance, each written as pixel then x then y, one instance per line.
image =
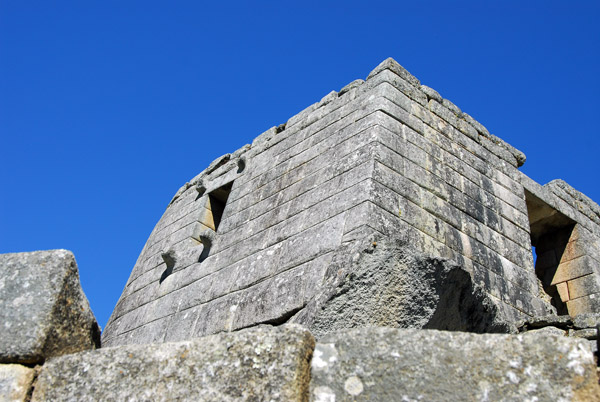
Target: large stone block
pixel 389 283
pixel 15 382
pixel 263 363
pixel 383 364
pixel 43 310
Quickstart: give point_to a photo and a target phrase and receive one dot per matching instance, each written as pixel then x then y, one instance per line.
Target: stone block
pixel 262 363
pixel 15 382
pixel 585 304
pixel 583 286
pixel 574 249
pixel 563 291
pixel 590 320
pixel 43 310
pixel 389 364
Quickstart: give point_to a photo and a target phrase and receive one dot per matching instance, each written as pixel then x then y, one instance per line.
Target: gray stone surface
pixel 15 382
pixel 43 310
pixel 547 331
pixel 382 364
pixel 392 284
pixel 558 321
pixel 385 158
pixel 588 320
pixel 258 364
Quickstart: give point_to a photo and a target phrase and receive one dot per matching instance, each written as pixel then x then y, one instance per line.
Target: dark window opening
pixel 550 234
pixel 217 199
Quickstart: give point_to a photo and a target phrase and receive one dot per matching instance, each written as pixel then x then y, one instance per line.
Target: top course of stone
pixel 411 86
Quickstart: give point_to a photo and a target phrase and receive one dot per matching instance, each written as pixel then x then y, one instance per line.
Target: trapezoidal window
pixel 215 206
pixel 550 235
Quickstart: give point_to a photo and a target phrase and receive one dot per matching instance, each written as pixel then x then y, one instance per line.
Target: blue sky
pixel 107 108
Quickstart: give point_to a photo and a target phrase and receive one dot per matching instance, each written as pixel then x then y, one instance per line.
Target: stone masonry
pixel 384 174
pixel 44 302
pixel 386 222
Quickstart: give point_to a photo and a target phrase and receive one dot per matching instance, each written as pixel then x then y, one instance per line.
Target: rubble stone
pixel 43 310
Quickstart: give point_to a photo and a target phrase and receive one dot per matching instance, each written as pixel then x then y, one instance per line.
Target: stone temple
pixel 381 205
pixel 377 246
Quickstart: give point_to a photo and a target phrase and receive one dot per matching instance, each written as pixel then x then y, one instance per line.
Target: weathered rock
pixel 43 310
pixel 559 321
pixel 393 285
pixel 587 320
pixel 386 364
pixel 262 363
pixel 15 382
pixel 547 331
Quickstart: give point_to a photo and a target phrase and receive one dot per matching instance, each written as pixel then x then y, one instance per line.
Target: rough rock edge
pixel 577 197
pixel 565 322
pixel 75 327
pixel 347 270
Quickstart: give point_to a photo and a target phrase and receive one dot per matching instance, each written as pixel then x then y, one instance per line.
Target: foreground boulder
pixel 43 310
pixel 261 363
pixel 384 364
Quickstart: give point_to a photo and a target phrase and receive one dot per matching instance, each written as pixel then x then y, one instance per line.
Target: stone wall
pixel 281 229
pixel 49 339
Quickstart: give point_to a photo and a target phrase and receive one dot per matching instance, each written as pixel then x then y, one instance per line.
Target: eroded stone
pixel 43 310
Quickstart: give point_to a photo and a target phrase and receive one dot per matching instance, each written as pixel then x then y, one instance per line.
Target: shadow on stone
pixel 393 285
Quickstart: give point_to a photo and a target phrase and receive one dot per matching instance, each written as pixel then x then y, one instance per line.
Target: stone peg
pixel 43 310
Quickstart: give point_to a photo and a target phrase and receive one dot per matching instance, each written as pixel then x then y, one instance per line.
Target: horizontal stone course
pixel 425 118
pixel 572 269
pixel 457 218
pixel 461 163
pixel 340 143
pixel 380 218
pixel 436 228
pixel 583 286
pixel 584 304
pixel 296 251
pixel 331 120
pixel 354 152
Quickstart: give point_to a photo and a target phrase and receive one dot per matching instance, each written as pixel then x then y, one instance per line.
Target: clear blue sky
pixel 108 107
